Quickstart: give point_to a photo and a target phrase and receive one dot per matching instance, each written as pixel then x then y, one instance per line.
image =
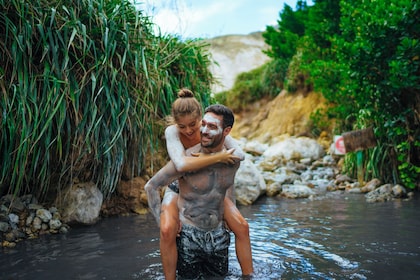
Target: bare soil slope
pixel 286 114
pixel 264 120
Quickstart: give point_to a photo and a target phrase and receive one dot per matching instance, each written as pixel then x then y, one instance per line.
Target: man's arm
pixel 163 177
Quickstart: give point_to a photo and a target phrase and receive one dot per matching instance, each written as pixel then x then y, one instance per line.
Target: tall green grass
pixel 83 86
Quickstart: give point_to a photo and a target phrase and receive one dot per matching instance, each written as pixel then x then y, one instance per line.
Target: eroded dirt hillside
pixel 287 114
pixel 265 120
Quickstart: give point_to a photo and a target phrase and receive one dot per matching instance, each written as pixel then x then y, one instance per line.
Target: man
pixel 203 242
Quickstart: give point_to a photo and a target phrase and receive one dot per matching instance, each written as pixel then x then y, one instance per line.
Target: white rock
pixel 295 149
pixel 249 183
pixel 297 191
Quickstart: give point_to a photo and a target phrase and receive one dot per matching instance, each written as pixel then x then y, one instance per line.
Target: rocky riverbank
pixel 290 167
pixel 302 167
pixel 24 218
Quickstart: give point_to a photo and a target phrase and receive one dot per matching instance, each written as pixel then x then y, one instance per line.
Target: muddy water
pixel 333 237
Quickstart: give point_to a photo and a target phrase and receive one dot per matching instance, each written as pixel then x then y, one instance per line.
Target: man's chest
pixel 216 178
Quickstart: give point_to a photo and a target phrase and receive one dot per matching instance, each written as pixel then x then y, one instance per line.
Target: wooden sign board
pixel 359 139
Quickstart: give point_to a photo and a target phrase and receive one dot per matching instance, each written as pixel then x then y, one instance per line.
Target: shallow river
pixel 334 237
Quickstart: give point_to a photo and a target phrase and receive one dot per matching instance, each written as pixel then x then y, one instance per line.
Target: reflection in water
pixel 334 237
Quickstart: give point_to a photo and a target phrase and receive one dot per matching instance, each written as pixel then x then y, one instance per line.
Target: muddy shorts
pixel 202 253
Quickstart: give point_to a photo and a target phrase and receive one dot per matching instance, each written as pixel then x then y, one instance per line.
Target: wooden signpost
pixel 357 141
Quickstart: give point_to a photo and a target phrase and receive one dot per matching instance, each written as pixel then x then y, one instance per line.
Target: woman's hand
pixel 224 156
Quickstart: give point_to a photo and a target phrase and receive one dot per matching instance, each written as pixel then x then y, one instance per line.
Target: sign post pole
pixel 357 141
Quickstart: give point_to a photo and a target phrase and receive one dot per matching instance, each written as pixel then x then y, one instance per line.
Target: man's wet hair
pixel 225 112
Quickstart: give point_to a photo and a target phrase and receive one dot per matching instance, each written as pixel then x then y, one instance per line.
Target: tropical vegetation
pixel 84 86
pixel 364 58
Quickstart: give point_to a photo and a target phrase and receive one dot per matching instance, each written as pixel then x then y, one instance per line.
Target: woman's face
pixel 189 126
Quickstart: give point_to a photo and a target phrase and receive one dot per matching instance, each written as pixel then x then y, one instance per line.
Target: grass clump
pixel 83 86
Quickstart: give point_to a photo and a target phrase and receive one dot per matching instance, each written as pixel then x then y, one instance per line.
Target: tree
pixel 284 38
pixel 380 44
pixel 364 58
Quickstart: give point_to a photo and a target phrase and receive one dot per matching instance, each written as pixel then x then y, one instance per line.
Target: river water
pixel 337 236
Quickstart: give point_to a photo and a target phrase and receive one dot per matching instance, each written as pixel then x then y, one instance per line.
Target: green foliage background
pixel 364 57
pixel 84 84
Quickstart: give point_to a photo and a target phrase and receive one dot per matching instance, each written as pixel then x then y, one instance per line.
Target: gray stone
pixel 44 215
pixel 55 224
pixel 381 194
pixel 4 227
pixel 81 203
pixel 399 191
pixel 297 191
pixel 36 224
pixel 13 218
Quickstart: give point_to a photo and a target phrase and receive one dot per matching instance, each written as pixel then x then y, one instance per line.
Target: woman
pixel 185 133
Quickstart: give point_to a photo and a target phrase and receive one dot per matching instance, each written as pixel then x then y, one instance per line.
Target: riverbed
pixel 334 236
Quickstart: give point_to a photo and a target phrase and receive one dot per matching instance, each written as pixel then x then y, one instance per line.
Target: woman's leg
pixel 237 223
pixel 169 228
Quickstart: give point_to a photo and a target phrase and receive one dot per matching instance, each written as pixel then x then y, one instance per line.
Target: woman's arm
pixel 184 163
pixel 163 177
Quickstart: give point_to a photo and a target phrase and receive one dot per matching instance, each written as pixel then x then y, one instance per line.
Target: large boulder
pixel 249 183
pixel 80 203
pixel 293 148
